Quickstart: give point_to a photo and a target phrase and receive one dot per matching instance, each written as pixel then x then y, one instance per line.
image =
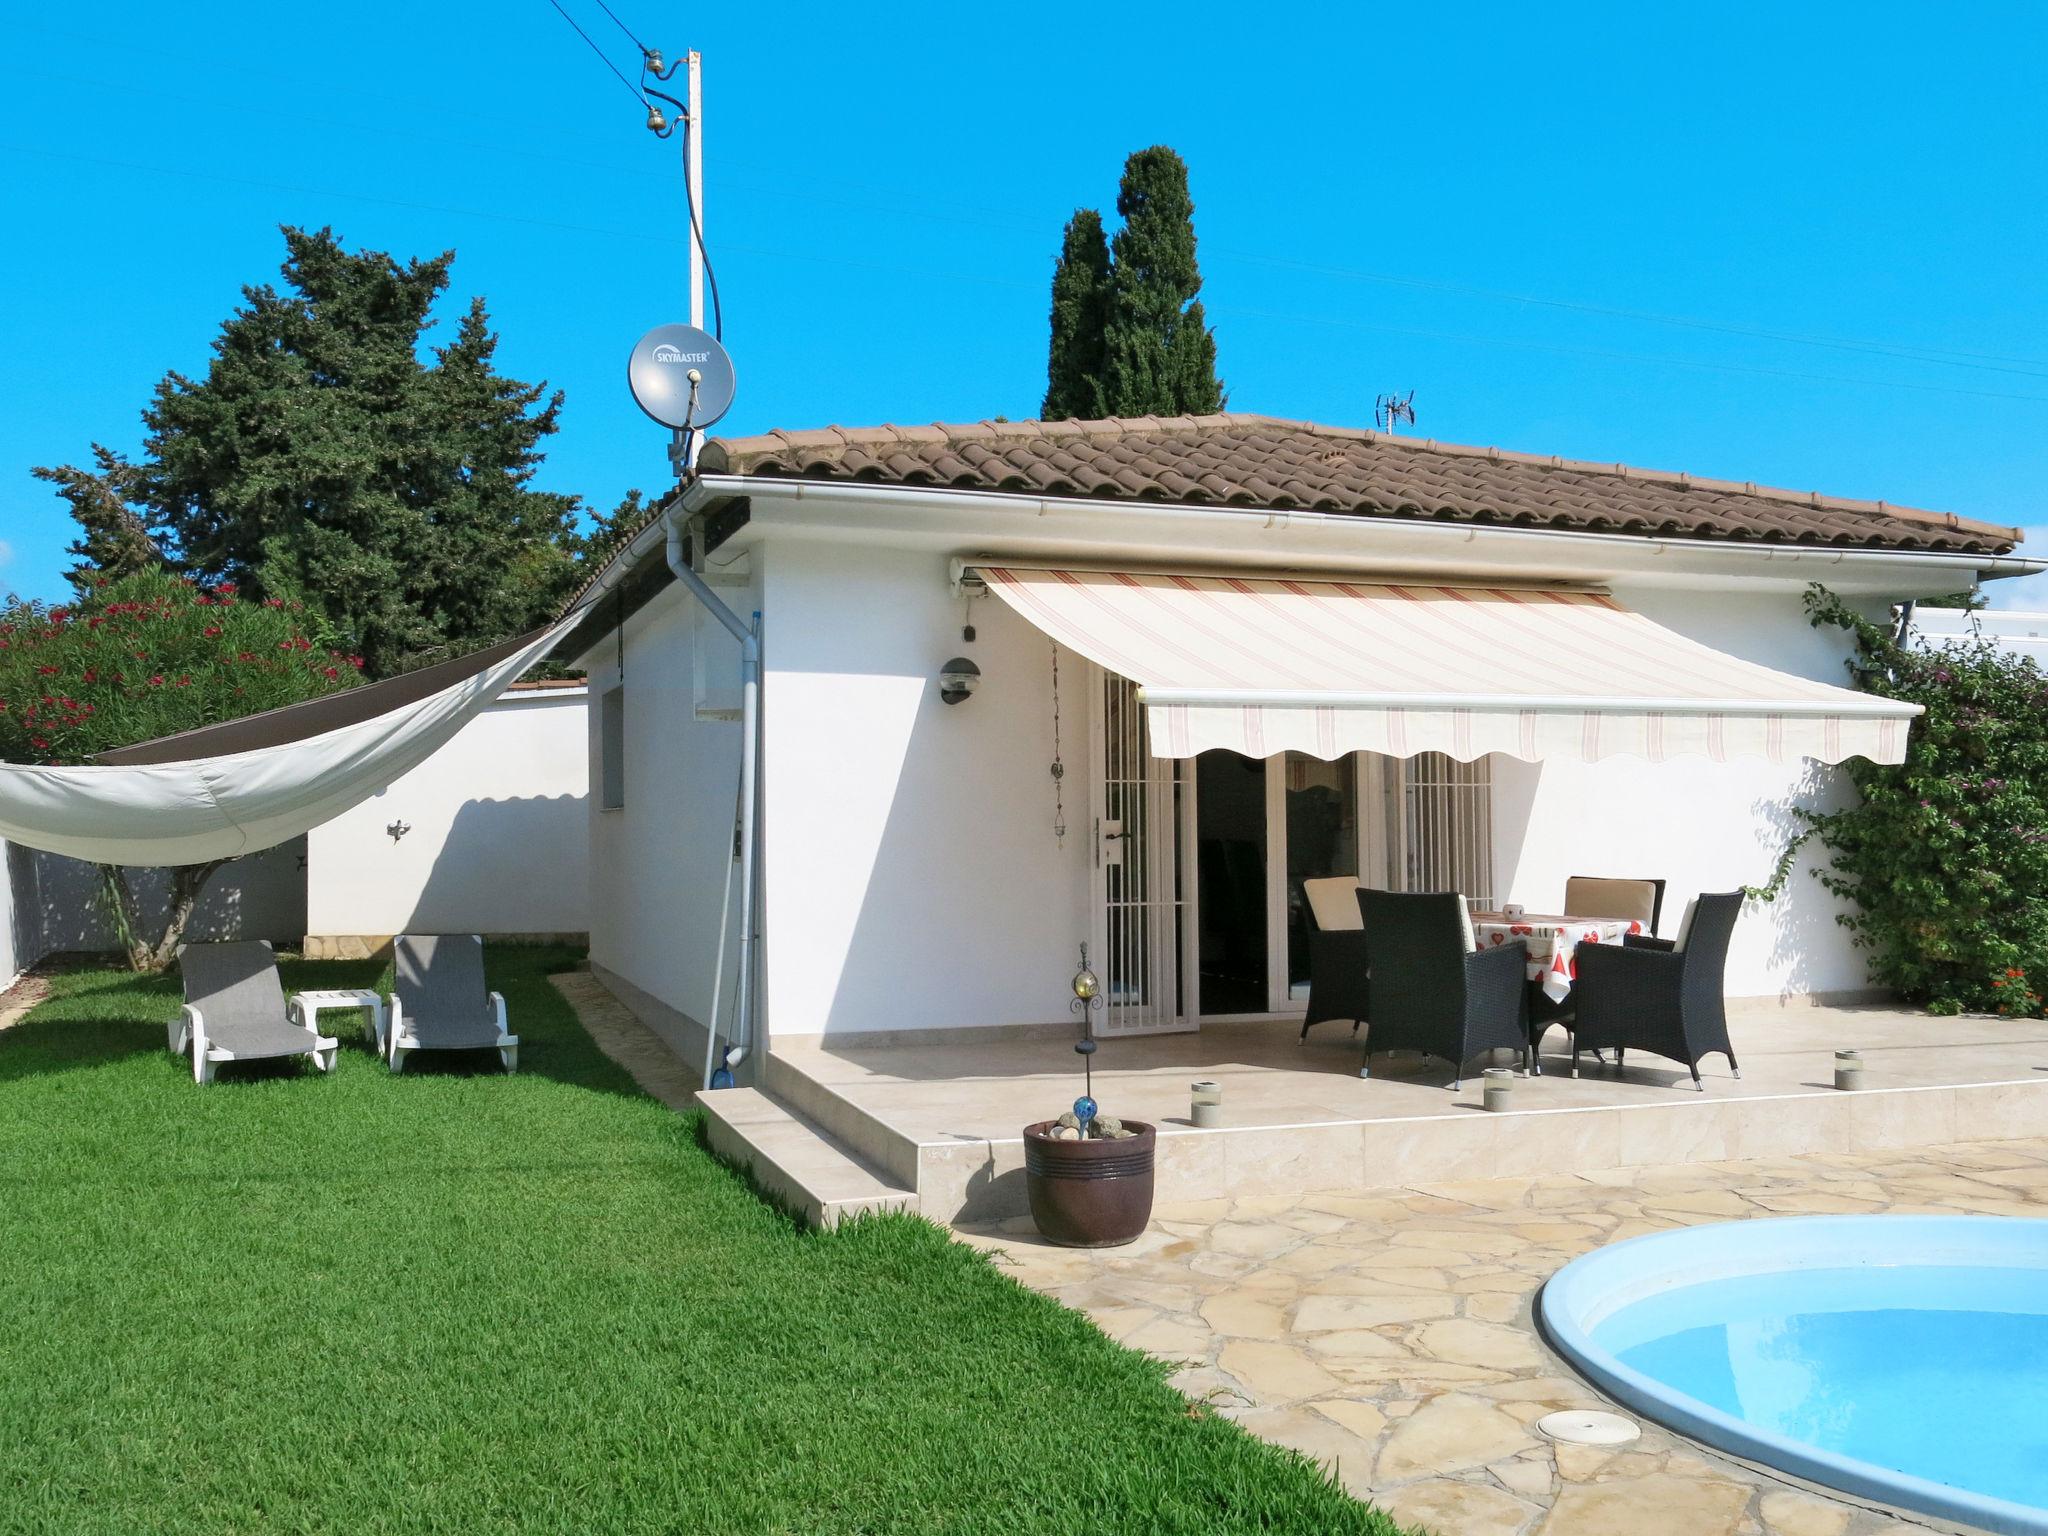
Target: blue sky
pixel 1801 245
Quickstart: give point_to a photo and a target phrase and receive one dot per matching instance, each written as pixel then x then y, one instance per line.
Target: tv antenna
pixel 1389 411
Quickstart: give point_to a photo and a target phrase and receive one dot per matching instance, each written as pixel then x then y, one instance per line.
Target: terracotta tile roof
pixel 1262 462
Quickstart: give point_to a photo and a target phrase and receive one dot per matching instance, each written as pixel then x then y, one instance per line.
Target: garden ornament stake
pixel 1087 997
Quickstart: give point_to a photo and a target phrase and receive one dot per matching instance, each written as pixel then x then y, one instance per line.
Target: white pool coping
pixel 1589 1290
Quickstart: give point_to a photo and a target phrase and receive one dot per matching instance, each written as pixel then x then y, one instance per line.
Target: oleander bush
pixel 148 655
pixel 142 656
pixel 1945 856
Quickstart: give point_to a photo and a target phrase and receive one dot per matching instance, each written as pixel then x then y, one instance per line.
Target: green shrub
pixel 1946 856
pixel 145 656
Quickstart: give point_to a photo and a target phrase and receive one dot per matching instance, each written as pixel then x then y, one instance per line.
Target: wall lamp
pixel 398 829
pixel 957 679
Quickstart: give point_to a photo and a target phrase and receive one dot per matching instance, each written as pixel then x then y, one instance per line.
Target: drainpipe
pixel 750 718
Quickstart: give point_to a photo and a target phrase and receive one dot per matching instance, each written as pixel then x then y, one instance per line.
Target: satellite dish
pixel 681 376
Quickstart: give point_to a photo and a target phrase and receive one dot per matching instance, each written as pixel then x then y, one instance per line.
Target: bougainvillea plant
pixel 1945 857
pixel 141 657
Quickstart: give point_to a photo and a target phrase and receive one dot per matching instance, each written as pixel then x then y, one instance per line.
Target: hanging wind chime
pixel 1059 768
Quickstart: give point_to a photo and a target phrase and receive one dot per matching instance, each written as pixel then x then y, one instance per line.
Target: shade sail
pixel 1259 665
pixel 253 783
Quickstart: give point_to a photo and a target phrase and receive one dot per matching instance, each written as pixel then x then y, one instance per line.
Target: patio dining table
pixel 1552 941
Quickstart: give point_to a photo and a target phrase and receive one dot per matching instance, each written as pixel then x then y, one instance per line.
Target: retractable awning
pixel 1260 665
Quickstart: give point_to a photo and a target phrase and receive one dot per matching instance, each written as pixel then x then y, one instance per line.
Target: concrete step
pixel 795 1160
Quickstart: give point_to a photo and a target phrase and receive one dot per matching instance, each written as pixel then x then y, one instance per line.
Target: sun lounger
pixel 440 1002
pixel 235 1010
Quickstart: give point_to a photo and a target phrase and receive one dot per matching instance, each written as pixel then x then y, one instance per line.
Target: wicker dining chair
pixel 1602 896
pixel 1430 991
pixel 1657 995
pixel 1336 952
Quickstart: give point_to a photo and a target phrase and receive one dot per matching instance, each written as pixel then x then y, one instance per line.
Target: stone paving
pixel 1390 1335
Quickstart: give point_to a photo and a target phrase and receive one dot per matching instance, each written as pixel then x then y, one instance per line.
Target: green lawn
pixel 454 1301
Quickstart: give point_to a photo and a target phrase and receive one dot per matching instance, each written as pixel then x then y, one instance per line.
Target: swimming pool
pixel 1900 1358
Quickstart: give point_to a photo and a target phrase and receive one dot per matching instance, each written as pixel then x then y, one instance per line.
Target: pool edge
pixel 1558 1325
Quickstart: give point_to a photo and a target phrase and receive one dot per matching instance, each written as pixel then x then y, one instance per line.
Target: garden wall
pixel 490 835
pixel 262 896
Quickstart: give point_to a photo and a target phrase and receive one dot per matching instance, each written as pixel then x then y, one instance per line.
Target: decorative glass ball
pixel 1085 984
pixel 1084 1109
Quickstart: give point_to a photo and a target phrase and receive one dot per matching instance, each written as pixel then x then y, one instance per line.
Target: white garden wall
pixel 496 840
pixel 18 948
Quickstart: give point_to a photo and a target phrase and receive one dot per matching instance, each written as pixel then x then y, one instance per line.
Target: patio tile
pixel 1275 1372
pixel 1796 1514
pixel 1244 1315
pixel 1400 1349
pixel 1449 1434
pixel 1670 1506
pixel 1470 1509
pixel 1462 1341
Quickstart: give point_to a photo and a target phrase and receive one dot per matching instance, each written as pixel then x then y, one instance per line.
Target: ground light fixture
pixel 957 679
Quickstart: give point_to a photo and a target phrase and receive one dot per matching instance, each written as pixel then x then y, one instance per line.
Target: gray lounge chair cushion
pixel 441 990
pixel 239 998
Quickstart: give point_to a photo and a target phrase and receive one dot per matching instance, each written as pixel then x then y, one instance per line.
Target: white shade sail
pixel 1259 665
pixel 252 783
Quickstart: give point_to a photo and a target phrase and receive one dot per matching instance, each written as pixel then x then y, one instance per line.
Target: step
pixel 796 1161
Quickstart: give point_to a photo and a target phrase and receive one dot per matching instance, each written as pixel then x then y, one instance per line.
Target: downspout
pixel 750 717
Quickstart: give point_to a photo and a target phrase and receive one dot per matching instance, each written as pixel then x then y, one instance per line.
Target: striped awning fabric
pixel 1261 664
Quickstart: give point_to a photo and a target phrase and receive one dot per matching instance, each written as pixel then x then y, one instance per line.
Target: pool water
pixel 1937 1372
pixel 1897 1358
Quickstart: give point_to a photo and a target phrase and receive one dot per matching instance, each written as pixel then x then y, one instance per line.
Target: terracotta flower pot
pixel 1089 1194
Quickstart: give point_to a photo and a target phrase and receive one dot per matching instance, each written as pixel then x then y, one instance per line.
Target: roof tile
pixel 1259 462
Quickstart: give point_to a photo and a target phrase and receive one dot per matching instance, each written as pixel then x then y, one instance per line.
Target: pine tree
pixel 1154 353
pixel 322 459
pixel 1080 307
pixel 112 541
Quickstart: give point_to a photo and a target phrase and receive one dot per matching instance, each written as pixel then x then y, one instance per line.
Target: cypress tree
pixel 1154 353
pixel 1080 308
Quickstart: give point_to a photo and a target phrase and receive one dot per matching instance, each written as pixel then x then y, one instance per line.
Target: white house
pixel 1436 667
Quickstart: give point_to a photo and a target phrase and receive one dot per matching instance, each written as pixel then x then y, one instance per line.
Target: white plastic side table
pixel 309 1006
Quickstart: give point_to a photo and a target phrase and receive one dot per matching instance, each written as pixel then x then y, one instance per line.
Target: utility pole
pixel 690 118
pixel 693 168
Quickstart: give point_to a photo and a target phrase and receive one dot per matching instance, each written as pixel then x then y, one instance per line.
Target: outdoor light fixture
pixel 957 679
pixel 398 829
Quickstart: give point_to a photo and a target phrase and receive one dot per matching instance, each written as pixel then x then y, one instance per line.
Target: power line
pixel 623 28
pixel 697 234
pixel 631 88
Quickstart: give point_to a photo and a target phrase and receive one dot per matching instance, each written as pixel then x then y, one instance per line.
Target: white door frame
pixel 1143 944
